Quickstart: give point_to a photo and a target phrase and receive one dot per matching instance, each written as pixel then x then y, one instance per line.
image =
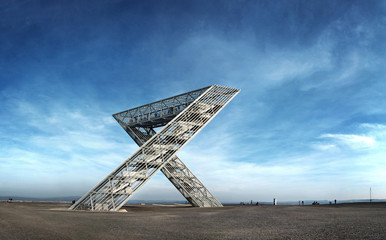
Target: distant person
pixel 73 201
pixel 302 202
pixel 335 201
pixel 257 203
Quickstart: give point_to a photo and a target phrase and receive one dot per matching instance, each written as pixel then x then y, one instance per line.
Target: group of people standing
pixel 314 203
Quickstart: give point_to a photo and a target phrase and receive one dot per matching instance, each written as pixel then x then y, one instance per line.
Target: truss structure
pixel 182 117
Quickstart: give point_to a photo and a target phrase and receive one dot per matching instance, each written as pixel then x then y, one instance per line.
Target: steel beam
pixel 182 116
pixel 179 174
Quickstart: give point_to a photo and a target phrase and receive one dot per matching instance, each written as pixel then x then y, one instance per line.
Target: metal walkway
pixel 182 116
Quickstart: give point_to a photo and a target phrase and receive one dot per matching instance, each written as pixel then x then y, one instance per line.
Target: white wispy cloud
pixel 293 130
pixel 372 137
pixel 80 145
pixel 351 140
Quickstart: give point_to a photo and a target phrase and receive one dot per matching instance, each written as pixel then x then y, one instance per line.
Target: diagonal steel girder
pixel 182 116
pixel 178 173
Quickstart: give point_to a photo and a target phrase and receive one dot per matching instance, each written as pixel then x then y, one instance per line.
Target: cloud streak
pixel 353 141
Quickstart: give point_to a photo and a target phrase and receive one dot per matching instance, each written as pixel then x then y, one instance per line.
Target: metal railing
pixel 158 152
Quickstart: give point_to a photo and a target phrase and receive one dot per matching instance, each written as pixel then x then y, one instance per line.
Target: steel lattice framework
pixel 182 116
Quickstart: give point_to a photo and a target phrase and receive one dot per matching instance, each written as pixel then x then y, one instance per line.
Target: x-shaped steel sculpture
pixel 182 116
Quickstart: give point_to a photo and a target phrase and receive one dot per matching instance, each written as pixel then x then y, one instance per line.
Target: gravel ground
pixel 53 221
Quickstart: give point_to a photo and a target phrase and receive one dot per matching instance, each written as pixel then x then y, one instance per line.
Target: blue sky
pixel 309 122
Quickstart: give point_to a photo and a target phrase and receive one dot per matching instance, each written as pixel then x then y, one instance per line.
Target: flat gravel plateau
pixel 54 221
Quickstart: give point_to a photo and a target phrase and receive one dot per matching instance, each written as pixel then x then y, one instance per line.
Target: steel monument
pixel 181 117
